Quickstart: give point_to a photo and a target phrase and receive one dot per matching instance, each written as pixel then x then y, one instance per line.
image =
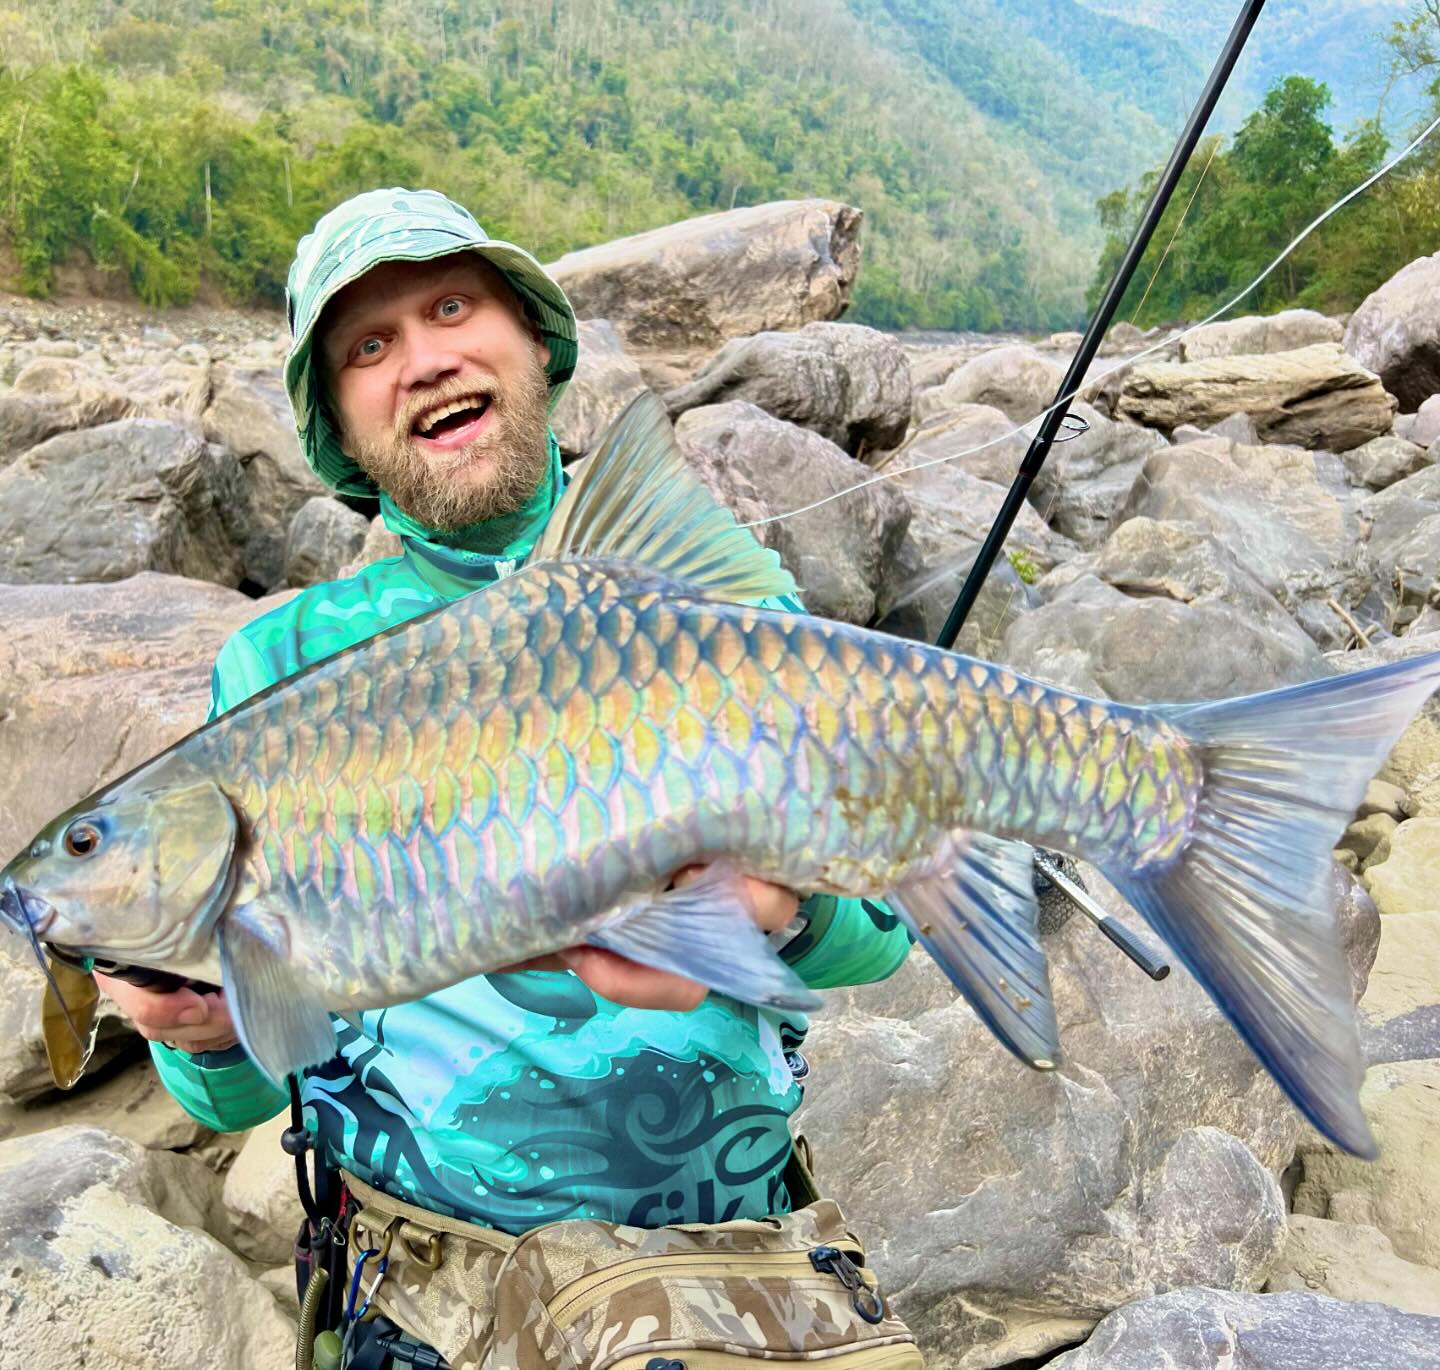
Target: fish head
pixel 135 875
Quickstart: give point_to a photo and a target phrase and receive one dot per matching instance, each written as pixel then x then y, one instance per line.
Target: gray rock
pixel 1254 336
pixel 1425 423
pixel 1396 333
pixel 1083 486
pixel 249 413
pixel 605 381
pixel 1202 1329
pixel 848 383
pixel 675 294
pixel 103 1261
pixel 1383 461
pixel 837 553
pixel 1007 1210
pixel 325 536
pixel 1016 380
pixel 379 543
pixel 1288 516
pixel 108 502
pixel 28 419
pixel 1404 542
pixel 1354 1262
pixel 1315 397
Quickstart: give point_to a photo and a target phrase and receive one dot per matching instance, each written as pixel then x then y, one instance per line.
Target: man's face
pixel 439 389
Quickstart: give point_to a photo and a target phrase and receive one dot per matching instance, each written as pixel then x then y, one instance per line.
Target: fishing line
pixel 1165 256
pixel 1122 366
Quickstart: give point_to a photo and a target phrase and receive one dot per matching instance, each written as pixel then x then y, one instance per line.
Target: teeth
pixel 428 420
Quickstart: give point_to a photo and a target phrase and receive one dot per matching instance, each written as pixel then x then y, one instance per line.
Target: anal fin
pixel 979 920
pixel 706 932
pixel 281 1024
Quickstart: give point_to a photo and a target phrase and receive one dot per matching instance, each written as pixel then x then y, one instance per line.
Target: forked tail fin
pixel 1248 903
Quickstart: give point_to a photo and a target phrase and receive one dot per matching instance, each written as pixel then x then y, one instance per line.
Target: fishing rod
pixel 1056 415
pixel 1047 867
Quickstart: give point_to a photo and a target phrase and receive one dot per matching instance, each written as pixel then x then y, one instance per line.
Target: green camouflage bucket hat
pixel 399 225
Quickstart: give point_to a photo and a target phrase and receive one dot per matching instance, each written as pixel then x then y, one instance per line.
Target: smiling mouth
pixel 450 420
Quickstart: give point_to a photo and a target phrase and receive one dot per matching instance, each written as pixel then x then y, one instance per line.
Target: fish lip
pixel 24 910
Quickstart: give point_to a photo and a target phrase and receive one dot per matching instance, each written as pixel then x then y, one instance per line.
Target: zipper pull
pixel 867 1302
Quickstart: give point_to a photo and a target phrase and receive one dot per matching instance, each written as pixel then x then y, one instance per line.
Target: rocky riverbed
pixel 1257 504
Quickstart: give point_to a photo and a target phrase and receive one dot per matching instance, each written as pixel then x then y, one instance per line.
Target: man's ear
pixel 542 348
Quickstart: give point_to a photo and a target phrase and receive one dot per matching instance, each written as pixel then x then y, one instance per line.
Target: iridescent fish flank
pixel 524 769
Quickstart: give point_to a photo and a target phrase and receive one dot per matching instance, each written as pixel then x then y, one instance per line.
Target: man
pixel 426 358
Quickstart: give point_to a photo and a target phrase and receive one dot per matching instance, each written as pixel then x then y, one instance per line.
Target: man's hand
pixel 178 1018
pixel 201 1022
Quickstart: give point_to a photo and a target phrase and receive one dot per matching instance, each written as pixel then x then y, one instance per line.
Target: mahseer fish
pixel 524 769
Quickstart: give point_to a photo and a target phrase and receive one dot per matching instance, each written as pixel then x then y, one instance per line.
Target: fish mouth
pixel 24 911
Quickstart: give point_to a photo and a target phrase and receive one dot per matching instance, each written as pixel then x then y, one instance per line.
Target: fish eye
pixel 82 839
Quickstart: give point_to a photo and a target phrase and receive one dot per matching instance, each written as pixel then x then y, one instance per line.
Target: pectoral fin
pixel 978 919
pixel 707 932
pixel 69 1018
pixel 280 1023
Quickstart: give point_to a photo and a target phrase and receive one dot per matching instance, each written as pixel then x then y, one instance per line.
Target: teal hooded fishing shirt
pixel 511 1099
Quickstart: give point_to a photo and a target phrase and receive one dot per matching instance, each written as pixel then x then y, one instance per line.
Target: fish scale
pixel 555 726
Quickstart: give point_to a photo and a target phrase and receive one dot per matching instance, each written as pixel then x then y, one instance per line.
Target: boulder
pixel 1237 428
pixel 1400 1191
pixel 1400 1014
pixel 605 381
pixel 1423 426
pixel 1352 1262
pixel 1287 515
pixel 1085 482
pixel 837 553
pixel 1286 331
pixel 675 294
pixel 974 438
pixel 379 543
pixel 1396 333
pixel 1007 1210
pixel 1408 879
pixel 1315 397
pixel 1383 461
pixel 109 502
pixel 249 413
pixel 1383 797
pixel 1369 838
pixel 261 1198
pixel 324 536
pixel 1403 541
pixel 1203 1329
pixel 1016 380
pixel 105 1263
pixel 26 420
pixel 93 681
pixel 846 382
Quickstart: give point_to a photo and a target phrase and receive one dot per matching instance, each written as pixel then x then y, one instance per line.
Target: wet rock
pixel 675 294
pixel 1352 1262
pixel 325 536
pixel 1396 333
pixel 1201 1329
pixel 846 382
pixel 605 381
pixel 1252 337
pixel 837 553
pixel 1383 461
pixel 1316 397
pixel 104 1263
pixel 249 413
pixel 109 502
pixel 1400 1191
pixel 1287 515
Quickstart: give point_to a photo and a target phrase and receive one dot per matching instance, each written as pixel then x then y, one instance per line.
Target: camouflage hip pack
pixel 582 1295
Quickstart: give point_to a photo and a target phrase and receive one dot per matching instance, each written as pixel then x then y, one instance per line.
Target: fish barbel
pixel 523 769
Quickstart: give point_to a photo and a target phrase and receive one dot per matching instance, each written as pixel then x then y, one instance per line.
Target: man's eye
pixel 369 348
pixel 450 308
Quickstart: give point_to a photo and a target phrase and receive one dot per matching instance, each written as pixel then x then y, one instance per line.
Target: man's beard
pixel 424 485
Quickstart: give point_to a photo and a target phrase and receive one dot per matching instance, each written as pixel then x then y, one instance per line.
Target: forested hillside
pixel 183 145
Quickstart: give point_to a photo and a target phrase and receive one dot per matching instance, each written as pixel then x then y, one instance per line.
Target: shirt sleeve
pixel 223 1090
pixel 239 672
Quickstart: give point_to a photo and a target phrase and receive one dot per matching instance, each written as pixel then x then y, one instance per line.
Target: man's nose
pixel 428 358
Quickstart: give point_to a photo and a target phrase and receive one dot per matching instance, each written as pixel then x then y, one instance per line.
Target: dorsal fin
pixel 638 501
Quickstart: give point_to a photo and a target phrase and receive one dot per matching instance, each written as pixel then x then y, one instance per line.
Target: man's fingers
pixel 625 982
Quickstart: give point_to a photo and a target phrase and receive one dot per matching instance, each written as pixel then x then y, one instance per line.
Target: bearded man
pixel 426 359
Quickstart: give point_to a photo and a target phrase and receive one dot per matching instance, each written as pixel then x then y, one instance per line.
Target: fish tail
pixel 1248 903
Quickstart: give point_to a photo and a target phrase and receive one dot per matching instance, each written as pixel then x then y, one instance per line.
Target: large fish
pixel 523 769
